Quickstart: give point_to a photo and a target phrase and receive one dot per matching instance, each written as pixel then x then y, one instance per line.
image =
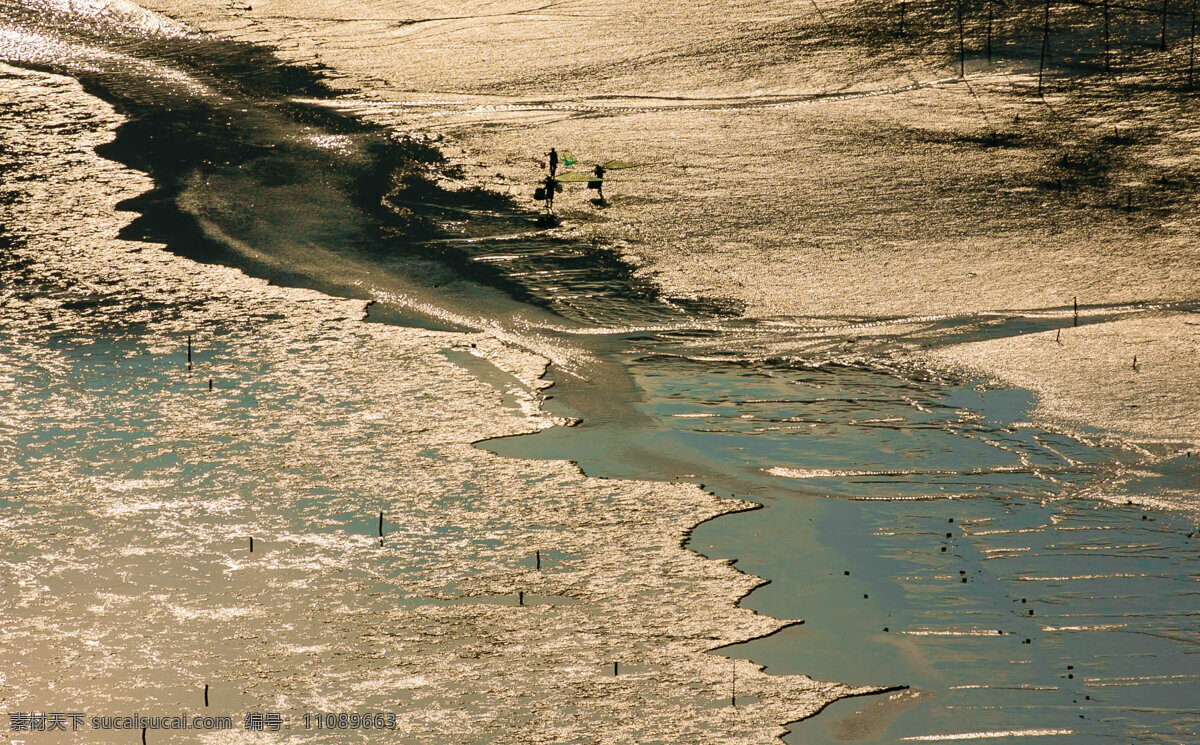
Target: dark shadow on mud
pixel 248 176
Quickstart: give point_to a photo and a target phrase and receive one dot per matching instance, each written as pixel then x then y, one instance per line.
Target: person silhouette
pixel 598 184
pixel 553 161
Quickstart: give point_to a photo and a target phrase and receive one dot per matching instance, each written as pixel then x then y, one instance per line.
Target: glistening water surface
pixel 928 536
pixel 133 482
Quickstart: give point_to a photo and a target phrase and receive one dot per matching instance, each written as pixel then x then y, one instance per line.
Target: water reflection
pixel 930 536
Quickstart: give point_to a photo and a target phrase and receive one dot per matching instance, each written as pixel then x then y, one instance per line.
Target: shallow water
pixel 132 489
pixel 928 536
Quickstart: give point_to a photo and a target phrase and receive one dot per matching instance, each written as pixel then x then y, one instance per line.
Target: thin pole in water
pixel 206 694
pixel 903 5
pixel 251 544
pixel 189 351
pixel 538 555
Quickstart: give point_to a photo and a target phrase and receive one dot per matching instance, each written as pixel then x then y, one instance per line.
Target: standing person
pixel 553 161
pixel 598 184
pixel 550 187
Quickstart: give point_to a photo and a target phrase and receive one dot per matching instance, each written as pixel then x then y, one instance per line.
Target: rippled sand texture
pixel 807 161
pixel 132 491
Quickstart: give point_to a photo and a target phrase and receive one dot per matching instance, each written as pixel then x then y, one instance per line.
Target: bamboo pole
pixel 1045 45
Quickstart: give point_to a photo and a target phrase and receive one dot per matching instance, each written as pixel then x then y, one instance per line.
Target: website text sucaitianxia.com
pixel 73 721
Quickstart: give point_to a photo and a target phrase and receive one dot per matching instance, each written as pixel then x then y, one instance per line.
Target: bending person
pixel 598 184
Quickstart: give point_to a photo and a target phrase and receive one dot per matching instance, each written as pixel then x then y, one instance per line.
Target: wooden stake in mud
pixel 1076 311
pixel 615 668
pixel 1045 45
pixel 733 687
pixel 189 351
pixel 538 555
pixel 989 33
pixel 903 6
pixel 962 49
pixel 1192 52
pixel 1162 39
pixel 143 736
pixel 206 694
pixel 251 544
pixel 521 598
pixel 210 383
pixel 1107 46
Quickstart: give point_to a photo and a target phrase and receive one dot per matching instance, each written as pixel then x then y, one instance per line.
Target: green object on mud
pixel 572 177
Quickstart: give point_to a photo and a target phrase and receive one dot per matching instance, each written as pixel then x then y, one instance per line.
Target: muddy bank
pixel 136 482
pixel 814 161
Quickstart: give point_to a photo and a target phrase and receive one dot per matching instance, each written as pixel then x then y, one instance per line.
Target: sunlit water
pixel 134 483
pixel 861 470
pixel 929 536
